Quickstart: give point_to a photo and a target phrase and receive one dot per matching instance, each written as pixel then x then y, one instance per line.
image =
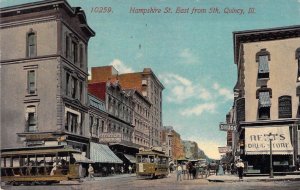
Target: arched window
pixel 31 43
pixel 285 107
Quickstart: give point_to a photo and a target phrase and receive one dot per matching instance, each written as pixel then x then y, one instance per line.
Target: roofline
pixel 155 77
pixel 32 4
pixel 89 94
pixel 260 35
pixel 47 3
pixel 139 94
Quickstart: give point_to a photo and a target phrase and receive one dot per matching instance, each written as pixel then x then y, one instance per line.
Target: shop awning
pixel 264 99
pixel 82 159
pixel 101 153
pixel 257 141
pixel 131 158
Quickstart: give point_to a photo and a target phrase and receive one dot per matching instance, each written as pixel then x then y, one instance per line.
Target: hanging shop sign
pixel 227 127
pixel 225 149
pixel 257 140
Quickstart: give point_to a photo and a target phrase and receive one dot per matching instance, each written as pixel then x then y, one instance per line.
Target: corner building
pixel 267 97
pixel 44 75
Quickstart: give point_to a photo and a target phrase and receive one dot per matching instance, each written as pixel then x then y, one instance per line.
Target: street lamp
pixel 271 138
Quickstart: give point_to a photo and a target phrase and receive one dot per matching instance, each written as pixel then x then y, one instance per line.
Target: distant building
pixel 144 82
pixel 167 140
pixel 172 143
pixel 190 149
pixel 44 75
pixel 266 104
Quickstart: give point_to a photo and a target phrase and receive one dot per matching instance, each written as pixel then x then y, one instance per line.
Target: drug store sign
pixel 257 140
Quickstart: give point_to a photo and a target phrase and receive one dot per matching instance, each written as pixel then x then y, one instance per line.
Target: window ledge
pixel 31 95
pixel 263 78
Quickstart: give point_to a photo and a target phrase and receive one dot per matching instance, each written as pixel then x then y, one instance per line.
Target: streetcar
pixel 152 164
pixel 39 165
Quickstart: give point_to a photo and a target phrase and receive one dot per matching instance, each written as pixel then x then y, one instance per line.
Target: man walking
pixel 91 172
pixel 179 172
pixel 240 167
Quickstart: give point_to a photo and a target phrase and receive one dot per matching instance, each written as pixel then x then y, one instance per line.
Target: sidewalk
pixel 111 177
pixel 235 178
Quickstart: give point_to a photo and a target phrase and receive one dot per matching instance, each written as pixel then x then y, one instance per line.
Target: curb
pixel 255 180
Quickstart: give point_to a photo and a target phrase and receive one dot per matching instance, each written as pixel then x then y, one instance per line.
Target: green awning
pixel 102 154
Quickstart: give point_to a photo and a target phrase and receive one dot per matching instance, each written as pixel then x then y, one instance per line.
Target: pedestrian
pixel 112 170
pixel 194 171
pixel 53 169
pixel 240 167
pixel 130 169
pixel 91 171
pixel 104 169
pixel 171 168
pixel 179 172
pixel 298 164
pixel 122 169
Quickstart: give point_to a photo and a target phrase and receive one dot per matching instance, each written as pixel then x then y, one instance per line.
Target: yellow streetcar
pixel 152 164
pixel 38 165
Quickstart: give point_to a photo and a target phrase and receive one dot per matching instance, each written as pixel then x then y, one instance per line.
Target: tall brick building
pixel 147 84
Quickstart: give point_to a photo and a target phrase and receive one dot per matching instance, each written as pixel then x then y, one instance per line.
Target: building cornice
pixel 259 35
pixel 270 122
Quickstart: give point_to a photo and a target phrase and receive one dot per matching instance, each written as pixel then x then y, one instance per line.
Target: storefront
pixel 257 148
pixel 106 162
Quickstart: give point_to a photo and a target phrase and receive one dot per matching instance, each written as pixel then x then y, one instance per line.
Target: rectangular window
pixel 80 91
pixel 71 122
pixel 31 46
pixel 91 125
pixel 264 105
pixel 102 127
pixel 74 88
pixel 298 68
pixel 31 122
pixel 74 51
pixel 263 67
pixel 285 107
pixel 67 46
pixel 81 58
pixel 31 86
pixel 67 83
pixel 97 128
pixel 31 119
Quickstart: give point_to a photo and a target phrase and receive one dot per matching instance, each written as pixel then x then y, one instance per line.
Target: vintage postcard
pixel 137 94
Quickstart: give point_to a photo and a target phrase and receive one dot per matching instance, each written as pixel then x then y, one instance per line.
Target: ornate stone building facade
pixel 119 107
pixel 44 44
pixel 141 118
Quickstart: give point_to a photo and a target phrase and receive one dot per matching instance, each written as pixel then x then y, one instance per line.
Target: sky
pixel 192 54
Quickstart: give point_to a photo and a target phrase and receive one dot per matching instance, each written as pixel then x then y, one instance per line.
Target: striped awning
pixel 82 159
pixel 263 64
pixel 130 158
pixel 102 154
pixel 264 99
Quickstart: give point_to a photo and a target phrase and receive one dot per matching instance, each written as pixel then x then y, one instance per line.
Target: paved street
pixel 130 182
